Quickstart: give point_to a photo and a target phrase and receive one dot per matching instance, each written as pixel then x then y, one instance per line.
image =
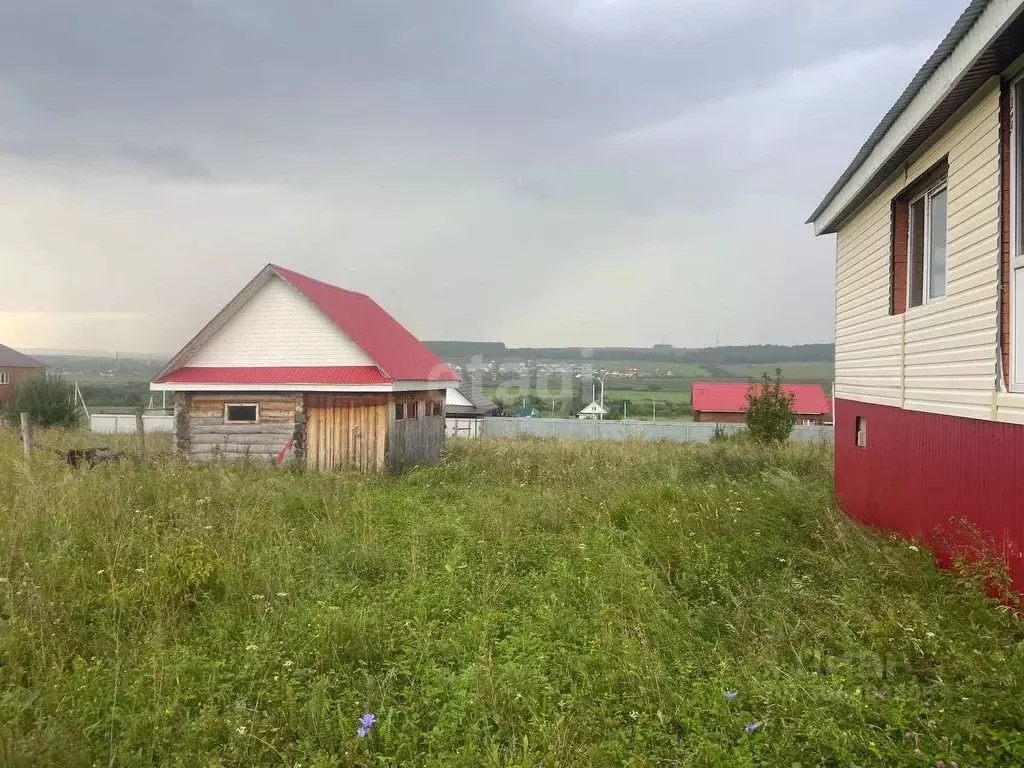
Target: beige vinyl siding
pixel 1010 408
pixel 278 326
pixel 869 343
pixel 940 357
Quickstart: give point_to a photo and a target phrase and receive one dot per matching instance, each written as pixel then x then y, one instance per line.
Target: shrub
pixel 48 399
pixel 770 416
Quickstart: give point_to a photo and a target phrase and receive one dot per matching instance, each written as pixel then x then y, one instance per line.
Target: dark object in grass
pixel 76 457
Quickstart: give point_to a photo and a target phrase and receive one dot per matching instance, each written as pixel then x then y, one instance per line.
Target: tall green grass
pixel 520 603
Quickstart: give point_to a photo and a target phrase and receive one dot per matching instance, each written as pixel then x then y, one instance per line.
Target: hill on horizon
pixel 757 354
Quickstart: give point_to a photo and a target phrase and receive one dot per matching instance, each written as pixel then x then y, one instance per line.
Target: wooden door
pixel 346 431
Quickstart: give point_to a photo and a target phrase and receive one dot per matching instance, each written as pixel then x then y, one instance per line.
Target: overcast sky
pixel 538 172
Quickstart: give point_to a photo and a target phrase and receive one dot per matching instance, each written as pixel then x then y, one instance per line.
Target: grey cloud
pixel 560 155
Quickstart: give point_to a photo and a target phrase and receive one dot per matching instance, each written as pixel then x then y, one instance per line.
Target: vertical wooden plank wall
pixel 413 441
pixel 346 431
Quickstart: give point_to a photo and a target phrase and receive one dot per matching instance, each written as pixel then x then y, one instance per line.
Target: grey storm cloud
pixel 574 172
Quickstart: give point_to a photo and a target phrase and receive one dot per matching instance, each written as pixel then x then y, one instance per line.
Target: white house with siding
pixel 929 225
pixel 593 411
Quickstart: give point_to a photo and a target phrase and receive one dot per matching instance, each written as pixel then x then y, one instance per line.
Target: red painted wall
pixel 921 471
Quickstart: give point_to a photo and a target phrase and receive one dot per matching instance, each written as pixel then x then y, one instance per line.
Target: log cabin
pixel 294 369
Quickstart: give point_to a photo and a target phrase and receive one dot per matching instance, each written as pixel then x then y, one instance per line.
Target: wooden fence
pixel 412 441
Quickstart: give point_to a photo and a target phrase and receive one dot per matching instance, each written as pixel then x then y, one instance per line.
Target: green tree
pixel 48 398
pixel 770 416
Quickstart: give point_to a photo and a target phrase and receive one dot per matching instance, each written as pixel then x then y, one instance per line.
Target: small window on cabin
pixel 412 410
pixel 927 247
pixel 862 431
pixel 241 413
pixel 4 377
pixel 399 411
pixel 435 408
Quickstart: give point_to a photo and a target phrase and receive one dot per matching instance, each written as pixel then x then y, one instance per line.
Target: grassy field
pixel 642 396
pixel 795 373
pixel 521 603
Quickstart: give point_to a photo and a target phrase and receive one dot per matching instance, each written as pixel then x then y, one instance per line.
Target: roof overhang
pixel 986 39
pixel 398 386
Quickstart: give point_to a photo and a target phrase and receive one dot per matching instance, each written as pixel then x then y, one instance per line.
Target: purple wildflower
pixel 751 727
pixel 365 724
pixel 731 695
pixel 940 764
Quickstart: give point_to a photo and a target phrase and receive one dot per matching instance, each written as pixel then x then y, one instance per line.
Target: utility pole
pixel 655 404
pixel 623 409
pixel 602 399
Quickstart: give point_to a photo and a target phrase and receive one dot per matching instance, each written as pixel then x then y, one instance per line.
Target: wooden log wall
pixel 209 437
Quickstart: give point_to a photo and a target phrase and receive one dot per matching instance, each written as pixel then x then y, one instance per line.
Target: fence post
pixel 140 430
pixel 26 434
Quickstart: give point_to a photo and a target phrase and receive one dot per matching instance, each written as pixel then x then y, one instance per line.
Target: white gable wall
pixel 278 326
pixel 454 397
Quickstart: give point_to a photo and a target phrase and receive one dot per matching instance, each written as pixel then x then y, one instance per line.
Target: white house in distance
pixel 593 411
pixel 929 219
pixel 465 404
pixel 295 366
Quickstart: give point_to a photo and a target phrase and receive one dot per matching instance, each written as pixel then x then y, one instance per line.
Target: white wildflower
pixel 251 647
pixel 241 729
pixel 913 548
pixel 282 594
pixel 257 597
pixel 288 662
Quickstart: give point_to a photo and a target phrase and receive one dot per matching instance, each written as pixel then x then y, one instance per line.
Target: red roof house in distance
pixel 14 366
pixel 293 366
pixel 725 402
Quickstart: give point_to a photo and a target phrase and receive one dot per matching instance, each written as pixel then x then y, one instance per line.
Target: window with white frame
pixel 926 268
pixel 1017 240
pixel 5 378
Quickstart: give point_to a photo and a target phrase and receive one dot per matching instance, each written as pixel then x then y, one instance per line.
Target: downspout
pixel 1000 277
pixel 903 321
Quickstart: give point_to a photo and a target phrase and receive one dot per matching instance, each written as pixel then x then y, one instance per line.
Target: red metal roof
pixel 400 355
pixel 352 374
pixel 731 397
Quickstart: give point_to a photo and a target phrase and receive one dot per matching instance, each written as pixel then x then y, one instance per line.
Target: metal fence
pixel 461 427
pixel 679 431
pixel 124 423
